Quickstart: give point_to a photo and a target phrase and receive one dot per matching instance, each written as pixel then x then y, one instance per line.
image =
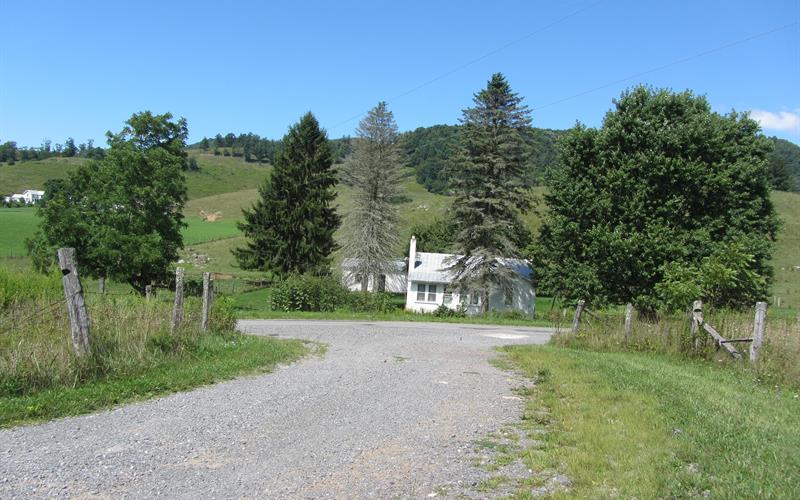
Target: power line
pixel 670 64
pixel 477 59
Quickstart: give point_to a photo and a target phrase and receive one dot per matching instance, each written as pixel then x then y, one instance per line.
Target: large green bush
pixel 370 302
pixel 726 278
pixel 308 293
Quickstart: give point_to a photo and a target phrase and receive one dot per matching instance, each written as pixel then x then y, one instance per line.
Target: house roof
pixel 397 265
pixel 432 267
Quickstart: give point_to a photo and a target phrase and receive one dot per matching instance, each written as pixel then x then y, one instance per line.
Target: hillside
pixel 217 174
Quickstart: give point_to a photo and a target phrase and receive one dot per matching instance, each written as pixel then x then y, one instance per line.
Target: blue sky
pixel 81 68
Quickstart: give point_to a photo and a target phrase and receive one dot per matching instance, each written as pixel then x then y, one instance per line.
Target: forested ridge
pixel 428 152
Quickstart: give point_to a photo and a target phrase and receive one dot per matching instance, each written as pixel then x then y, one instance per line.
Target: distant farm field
pixel 16 224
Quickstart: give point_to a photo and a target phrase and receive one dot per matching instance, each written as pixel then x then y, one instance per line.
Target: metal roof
pixel 432 267
pixel 398 266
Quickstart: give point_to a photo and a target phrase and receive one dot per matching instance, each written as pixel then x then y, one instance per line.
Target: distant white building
pixel 29 197
pixel 429 286
pixel 393 281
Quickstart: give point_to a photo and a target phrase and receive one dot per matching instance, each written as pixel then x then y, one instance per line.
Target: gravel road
pixel 391 409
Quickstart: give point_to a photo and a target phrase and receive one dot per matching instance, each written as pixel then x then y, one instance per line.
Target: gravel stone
pixel 389 410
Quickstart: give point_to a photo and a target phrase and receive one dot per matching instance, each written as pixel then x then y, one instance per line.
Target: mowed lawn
pixel 633 425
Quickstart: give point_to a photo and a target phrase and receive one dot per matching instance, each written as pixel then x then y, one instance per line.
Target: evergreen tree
pixel 290 228
pixel 374 171
pixel 490 193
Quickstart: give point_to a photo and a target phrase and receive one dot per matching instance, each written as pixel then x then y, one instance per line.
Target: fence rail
pixel 697 325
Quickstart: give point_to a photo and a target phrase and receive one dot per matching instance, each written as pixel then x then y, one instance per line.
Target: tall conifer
pixel 374 171
pixel 490 193
pixel 290 228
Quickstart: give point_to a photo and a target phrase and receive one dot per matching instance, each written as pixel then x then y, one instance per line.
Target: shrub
pixel 378 302
pixel 726 278
pixel 308 293
pixel 445 312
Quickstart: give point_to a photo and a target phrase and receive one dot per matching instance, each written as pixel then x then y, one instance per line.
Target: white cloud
pixel 786 121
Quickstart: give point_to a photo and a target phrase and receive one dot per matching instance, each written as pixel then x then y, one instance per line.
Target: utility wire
pixel 668 65
pixel 585 92
pixel 477 59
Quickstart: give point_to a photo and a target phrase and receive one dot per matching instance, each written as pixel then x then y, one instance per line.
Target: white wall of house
pixel 395 283
pixel 427 297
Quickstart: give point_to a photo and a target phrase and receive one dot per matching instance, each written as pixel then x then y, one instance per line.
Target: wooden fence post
pixel 577 319
pixel 758 330
pixel 628 318
pixel 101 285
pixel 697 319
pixel 76 306
pixel 208 292
pixel 177 310
pixel 148 291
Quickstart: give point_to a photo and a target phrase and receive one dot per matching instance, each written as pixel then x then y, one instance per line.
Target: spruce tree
pixel 374 171
pixel 490 193
pixel 290 228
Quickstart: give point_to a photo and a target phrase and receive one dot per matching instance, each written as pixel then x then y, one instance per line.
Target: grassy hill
pixel 217 174
pixel 227 184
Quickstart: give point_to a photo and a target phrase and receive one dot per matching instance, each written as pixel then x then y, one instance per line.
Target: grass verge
pixel 212 359
pixel 650 426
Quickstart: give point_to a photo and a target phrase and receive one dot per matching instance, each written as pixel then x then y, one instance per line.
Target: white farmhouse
pixel 29 197
pixel 430 286
pixel 393 281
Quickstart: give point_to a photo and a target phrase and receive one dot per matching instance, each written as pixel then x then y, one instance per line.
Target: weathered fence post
pixel 148 291
pixel 758 330
pixel 208 292
pixel 101 285
pixel 76 306
pixel 697 319
pixel 628 318
pixel 577 319
pixel 177 310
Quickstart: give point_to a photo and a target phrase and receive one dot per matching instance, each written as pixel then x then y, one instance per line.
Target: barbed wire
pixel 15 323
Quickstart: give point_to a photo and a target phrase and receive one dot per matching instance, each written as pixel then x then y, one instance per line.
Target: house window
pixel 431 293
pixel 420 292
pixel 447 298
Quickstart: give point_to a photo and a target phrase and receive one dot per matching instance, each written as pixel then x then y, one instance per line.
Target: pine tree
pixel 490 194
pixel 290 228
pixel 374 170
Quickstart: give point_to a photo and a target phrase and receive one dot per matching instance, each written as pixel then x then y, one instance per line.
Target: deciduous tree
pixel 122 213
pixel 664 180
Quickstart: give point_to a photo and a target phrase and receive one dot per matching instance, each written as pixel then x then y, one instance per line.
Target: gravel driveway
pixel 391 409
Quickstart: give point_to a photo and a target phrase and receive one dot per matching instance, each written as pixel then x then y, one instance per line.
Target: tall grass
pixel 129 334
pixel 779 358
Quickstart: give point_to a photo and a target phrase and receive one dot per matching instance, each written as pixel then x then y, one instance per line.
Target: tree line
pixel 11 153
pixel 254 148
